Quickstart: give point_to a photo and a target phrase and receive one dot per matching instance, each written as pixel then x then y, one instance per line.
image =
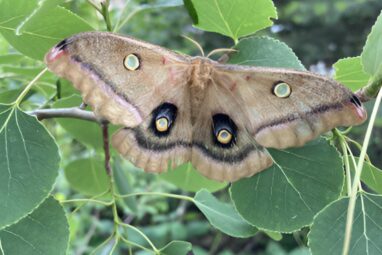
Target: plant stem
pixel 370 91
pixel 105 14
pixel 156 251
pixel 347 166
pixel 358 172
pixel 28 87
pixel 157 194
pixel 106 146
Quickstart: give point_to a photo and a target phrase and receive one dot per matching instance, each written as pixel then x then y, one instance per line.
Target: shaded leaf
pixel 29 163
pixel 187 178
pixel 266 52
pixel 349 72
pixel 176 248
pixel 232 18
pixel 371 175
pixel 86 132
pixel 87 176
pixel 223 216
pixel 124 184
pixel 327 232
pixel 45 231
pixel 286 196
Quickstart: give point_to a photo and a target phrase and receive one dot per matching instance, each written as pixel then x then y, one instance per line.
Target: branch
pixel 370 91
pixel 73 112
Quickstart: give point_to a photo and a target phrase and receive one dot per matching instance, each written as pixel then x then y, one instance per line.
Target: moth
pixel 175 108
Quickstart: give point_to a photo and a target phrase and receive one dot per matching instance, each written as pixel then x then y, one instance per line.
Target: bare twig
pixel 106 147
pixel 73 112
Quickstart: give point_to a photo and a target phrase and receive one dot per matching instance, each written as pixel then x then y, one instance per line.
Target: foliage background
pixel 320 33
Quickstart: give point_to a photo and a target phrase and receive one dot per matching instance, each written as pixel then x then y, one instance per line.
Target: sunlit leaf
pixel 232 18
pixel 40 30
pixel 349 71
pixel 372 52
pixel 187 178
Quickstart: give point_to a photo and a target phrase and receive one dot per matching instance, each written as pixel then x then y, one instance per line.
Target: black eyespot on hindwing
pixel 163 118
pixel 355 100
pixel 224 130
pixel 62 45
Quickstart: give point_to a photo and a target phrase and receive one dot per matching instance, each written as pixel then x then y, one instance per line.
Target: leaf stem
pixel 156 251
pixel 106 15
pixel 371 90
pixel 28 87
pixel 86 200
pixel 358 172
pixel 157 194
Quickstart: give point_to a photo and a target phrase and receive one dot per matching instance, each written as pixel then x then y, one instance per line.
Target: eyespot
pixel 163 119
pixel 355 100
pixel 223 130
pixel 131 62
pixel 282 90
pixel 224 136
pixel 161 124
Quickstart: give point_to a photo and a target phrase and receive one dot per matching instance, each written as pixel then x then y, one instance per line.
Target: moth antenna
pixel 195 43
pixel 220 50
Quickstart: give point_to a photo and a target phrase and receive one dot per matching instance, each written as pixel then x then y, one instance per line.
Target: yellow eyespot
pixel 282 90
pixel 131 62
pixel 161 124
pixel 224 136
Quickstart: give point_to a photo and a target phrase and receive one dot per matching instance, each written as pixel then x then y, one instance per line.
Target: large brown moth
pixel 175 108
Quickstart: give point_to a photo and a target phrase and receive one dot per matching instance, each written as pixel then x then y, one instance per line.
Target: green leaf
pixel 45 231
pixel 39 31
pixel 187 178
pixel 86 132
pixel 9 96
pixel 277 236
pixel 87 176
pixel 29 162
pixel 223 216
pixel 327 232
pixel 266 52
pixel 123 180
pixel 349 71
pixel 176 248
pixel 232 18
pixel 372 52
pixel 286 196
pixel 371 175
pixel 8 59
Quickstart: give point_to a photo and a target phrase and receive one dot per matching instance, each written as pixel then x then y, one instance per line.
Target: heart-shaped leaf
pixel 45 231
pixel 29 163
pixel 286 196
pixel 327 232
pixel 232 18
